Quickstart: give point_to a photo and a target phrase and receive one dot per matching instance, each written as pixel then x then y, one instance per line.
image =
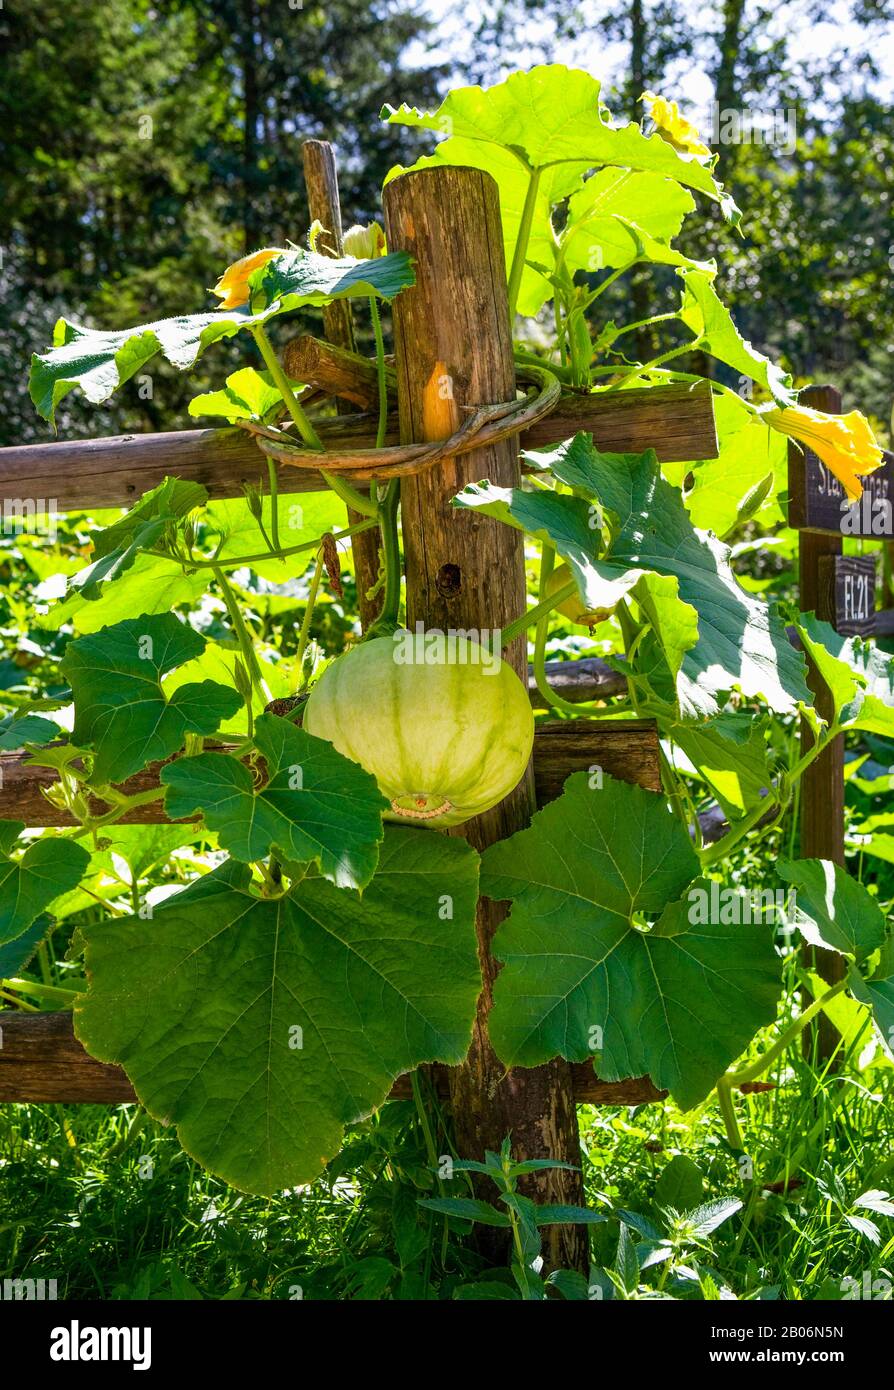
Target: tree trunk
pixel 250 129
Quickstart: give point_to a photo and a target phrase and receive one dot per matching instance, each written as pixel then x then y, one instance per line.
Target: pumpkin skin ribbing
pixel 445 734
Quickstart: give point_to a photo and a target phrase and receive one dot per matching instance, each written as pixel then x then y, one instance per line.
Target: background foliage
pixel 143 143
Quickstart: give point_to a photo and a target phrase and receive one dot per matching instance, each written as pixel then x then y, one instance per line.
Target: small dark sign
pixel 818 502
pixel 849 582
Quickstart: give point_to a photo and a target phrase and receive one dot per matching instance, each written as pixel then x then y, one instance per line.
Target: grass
pixel 117 1215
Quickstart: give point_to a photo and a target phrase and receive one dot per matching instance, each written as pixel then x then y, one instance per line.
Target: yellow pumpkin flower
pixel 232 287
pixel 673 127
pixel 844 443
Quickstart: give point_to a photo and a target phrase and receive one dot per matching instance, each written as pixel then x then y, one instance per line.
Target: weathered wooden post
pixel 822 786
pixel 841 591
pixel 324 205
pixel 454 348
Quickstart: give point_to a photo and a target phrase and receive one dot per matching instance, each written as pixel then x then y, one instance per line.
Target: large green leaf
pixel 832 909
pixel 749 452
pixel 230 529
pixel 712 322
pixel 28 728
pixel 29 884
pixel 121 711
pixel 298 277
pixel 312 805
pixel 877 991
pixel 262 1027
pixel 152 584
pixel 247 395
pixel 730 754
pixel 513 179
pixel 654 205
pixel 859 676
pixel 742 643
pixel 99 362
pixel 835 911
pixel 550 119
pixel 584 972
pixel 551 115
pixel 15 955
pixel 116 547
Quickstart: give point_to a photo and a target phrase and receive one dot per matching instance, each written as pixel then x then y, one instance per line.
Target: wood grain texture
pixel 822 785
pixel 453 348
pixel 42 1063
pixel 77 475
pixel 321 178
pixel 345 375
pixel 847 586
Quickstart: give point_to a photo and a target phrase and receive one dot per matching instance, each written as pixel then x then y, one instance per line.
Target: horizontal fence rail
pixel 676 420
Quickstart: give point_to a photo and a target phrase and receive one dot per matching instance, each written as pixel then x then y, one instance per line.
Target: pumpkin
pixel 444 725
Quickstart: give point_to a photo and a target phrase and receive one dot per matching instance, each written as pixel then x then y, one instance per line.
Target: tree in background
pixel 143 145
pixel 810 278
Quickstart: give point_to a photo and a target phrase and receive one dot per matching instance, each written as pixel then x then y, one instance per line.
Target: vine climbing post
pixel 463 571
pixel 324 205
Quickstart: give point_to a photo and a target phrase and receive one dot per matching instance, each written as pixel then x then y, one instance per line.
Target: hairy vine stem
pixel 343 489
pixel 761 1064
pixel 520 253
pixel 391 561
pixel 237 561
pixel 246 645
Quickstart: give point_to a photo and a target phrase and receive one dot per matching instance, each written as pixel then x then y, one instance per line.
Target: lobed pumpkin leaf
pixel 262 1027
pixel 312 805
pixel 27 728
pixel 859 677
pixel 117 546
pixel 98 362
pixel 550 120
pixel 742 643
pixel 711 321
pixel 121 710
pixel 584 976
pixel 833 910
pixel 29 884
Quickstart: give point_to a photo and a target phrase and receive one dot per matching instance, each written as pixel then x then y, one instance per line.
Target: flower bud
pixel 364 243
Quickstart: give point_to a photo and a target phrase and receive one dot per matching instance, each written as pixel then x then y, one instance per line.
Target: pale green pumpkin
pixel 444 726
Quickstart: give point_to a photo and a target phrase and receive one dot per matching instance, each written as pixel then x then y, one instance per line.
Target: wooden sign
pixel 817 501
pixel 849 581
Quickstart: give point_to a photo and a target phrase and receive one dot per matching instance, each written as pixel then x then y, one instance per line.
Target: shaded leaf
pixel 121 710
pixel 262 1027
pixel 29 884
pixel 584 977
pixel 312 805
pixel 832 909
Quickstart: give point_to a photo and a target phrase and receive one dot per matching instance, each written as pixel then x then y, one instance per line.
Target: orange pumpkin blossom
pixel 232 287
pixel 844 443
